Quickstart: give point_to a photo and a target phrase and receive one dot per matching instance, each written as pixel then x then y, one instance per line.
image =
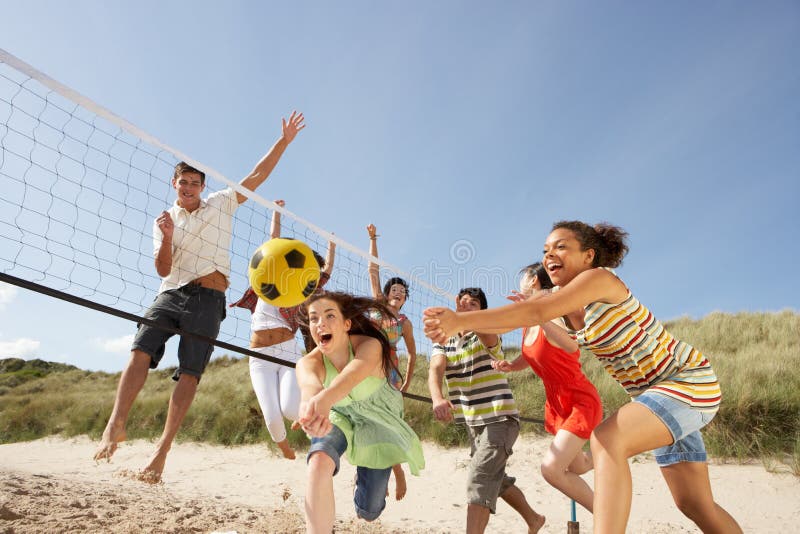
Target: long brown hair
pixel 357 309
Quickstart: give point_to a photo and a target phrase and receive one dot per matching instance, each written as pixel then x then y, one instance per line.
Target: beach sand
pixel 53 485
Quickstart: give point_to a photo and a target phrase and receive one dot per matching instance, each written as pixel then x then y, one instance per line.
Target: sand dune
pixel 53 485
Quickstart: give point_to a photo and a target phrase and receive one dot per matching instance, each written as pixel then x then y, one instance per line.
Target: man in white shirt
pixel 192 256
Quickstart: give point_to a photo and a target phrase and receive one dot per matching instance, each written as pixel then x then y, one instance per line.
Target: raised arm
pixel 265 166
pixel 595 285
pixel 275 226
pixel 411 348
pixel 372 269
pixel 515 296
pixel 330 256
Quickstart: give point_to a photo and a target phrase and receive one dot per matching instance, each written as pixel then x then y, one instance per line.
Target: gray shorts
pixel 491 446
pixel 192 308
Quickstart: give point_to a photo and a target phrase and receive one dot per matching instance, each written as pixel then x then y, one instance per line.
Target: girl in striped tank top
pixel 395 326
pixel 673 387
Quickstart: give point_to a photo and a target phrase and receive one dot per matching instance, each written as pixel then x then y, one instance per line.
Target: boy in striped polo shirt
pixel 480 398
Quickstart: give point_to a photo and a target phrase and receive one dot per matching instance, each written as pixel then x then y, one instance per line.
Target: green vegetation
pixel 755 355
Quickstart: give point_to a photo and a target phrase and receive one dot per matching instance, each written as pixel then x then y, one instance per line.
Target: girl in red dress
pixel 573 407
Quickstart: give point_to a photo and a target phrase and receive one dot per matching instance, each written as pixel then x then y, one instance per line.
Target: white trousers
pixel 276 387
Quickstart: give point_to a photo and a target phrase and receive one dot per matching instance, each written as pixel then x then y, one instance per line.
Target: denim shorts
pixel 684 423
pixel 192 308
pixel 371 484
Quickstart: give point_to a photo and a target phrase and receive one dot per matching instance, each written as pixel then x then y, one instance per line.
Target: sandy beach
pixel 53 485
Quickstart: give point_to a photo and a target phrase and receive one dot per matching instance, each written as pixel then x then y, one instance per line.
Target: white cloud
pixel 114 344
pixel 19 348
pixel 7 294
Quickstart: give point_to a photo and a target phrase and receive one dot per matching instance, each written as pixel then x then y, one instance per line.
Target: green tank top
pixel 371 418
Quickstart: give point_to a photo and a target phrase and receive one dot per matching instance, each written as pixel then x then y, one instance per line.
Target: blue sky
pixel 447 123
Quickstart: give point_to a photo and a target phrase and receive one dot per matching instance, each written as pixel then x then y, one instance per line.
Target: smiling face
pixel 563 258
pixel 189 185
pixel 329 328
pixel 396 296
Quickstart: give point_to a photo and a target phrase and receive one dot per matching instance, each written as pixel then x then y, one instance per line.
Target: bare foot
pixel 399 482
pixel 537 524
pixel 148 477
pixel 112 436
pixel 152 471
pixel 287 451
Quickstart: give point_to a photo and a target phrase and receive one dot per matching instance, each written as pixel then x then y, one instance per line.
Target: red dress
pixel 572 401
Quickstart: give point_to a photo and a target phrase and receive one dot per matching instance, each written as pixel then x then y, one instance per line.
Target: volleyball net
pixel 82 187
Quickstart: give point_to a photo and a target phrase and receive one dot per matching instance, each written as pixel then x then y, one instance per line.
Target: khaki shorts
pixel 491 446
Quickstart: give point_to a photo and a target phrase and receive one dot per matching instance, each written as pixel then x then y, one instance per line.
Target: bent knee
pixel 605 443
pixel 320 463
pixel 551 472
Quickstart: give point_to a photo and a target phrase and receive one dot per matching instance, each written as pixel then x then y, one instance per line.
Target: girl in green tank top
pixel 348 406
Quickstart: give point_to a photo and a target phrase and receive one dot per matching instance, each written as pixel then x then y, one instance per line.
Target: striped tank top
pixel 639 353
pixel 480 395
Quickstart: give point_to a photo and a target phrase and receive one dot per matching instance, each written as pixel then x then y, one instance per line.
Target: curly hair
pixel 608 242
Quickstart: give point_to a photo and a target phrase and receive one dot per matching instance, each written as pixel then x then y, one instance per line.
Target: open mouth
pixel 324 339
pixel 553 267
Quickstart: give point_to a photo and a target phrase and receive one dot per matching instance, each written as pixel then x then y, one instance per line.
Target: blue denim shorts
pixel 369 498
pixel 684 423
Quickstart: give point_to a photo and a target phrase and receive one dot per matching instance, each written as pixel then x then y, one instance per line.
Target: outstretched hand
pixel 440 324
pixel 294 125
pixel 314 417
pixel 372 231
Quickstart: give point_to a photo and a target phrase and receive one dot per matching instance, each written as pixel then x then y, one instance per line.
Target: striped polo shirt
pixel 480 395
pixel 639 353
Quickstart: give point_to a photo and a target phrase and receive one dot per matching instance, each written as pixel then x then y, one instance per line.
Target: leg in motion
pixel 319 503
pixel 564 451
pixel 629 431
pixel 130 384
pixel 691 490
pixel 516 499
pixel 179 403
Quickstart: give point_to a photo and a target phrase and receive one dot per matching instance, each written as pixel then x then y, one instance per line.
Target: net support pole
pixel 573 527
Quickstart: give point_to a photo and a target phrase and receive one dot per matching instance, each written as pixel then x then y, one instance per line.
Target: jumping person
pixel 479 397
pixel 192 256
pixel 572 406
pixel 393 295
pixel 348 405
pixel 674 389
pixel 273 333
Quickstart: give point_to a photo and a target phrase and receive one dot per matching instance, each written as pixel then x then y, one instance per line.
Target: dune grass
pixel 755 355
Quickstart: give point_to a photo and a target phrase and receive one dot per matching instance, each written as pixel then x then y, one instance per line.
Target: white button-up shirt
pixel 201 240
